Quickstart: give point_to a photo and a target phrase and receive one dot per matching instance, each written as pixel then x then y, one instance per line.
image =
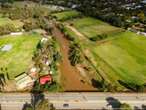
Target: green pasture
pixel 66 15
pixel 19 58
pixel 91 27
pixel 126 56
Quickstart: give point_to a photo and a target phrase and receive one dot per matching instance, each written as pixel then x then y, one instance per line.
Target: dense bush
pixel 25 11
pixel 7 29
pixel 133 86
pixel 74 54
pixel 60 27
pixel 69 37
pixel 125 106
pixel 68 34
pixel 30 24
pixel 98 37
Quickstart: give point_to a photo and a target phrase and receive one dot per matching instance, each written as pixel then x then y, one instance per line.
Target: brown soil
pixel 70 78
pixel 10 86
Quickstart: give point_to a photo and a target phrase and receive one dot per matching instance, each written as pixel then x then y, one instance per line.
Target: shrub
pixel 98 37
pixel 125 106
pixel 94 38
pixel 74 54
pixel 61 27
pixel 7 29
pixel 69 37
pixel 30 24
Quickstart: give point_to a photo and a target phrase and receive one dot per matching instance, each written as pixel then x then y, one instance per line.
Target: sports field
pixel 19 57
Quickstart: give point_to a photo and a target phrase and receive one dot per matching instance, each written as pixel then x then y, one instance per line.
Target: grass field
pixel 122 56
pixel 126 56
pixel 66 15
pixel 19 58
pixel 91 27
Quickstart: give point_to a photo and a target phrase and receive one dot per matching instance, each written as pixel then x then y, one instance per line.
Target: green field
pixel 66 15
pixel 19 58
pixel 121 57
pixel 91 27
pixel 126 56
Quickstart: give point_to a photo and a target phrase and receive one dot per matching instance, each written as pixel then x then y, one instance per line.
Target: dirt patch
pixel 70 76
pixel 10 86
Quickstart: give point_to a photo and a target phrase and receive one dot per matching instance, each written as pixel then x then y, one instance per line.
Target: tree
pixel 6 1
pixel 74 54
pixel 45 105
pixel 125 106
pixel 30 24
pixel 141 16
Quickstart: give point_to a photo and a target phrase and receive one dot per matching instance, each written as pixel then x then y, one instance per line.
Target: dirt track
pixel 70 77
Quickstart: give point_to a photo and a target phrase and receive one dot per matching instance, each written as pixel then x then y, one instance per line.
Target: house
pixel 46 79
pixel 23 81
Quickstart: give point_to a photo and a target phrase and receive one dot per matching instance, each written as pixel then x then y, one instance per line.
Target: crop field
pixel 66 15
pixel 91 27
pixel 19 57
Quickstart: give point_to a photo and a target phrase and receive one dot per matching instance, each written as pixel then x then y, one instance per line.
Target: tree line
pixel 110 11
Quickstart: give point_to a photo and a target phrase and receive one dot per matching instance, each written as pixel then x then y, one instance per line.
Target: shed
pixel 46 79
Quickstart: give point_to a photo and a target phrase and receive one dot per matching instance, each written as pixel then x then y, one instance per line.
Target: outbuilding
pixel 46 79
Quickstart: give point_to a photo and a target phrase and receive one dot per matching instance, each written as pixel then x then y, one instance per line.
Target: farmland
pixel 91 27
pixel 98 56
pixel 126 56
pixel 19 58
pixel 121 57
pixel 63 16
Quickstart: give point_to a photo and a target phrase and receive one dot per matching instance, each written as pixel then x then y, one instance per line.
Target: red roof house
pixel 45 79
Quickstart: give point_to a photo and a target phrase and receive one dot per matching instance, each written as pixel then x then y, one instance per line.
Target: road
pixel 16 101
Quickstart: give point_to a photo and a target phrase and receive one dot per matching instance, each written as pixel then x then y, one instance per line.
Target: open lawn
pixel 126 56
pixel 91 27
pixel 19 57
pixel 66 15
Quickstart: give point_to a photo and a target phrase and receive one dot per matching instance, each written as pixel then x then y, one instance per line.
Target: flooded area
pixel 70 77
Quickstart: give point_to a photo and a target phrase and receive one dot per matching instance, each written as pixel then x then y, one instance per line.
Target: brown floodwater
pixel 70 77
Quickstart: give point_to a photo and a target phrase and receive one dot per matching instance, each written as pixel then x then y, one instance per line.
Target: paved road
pixel 15 101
